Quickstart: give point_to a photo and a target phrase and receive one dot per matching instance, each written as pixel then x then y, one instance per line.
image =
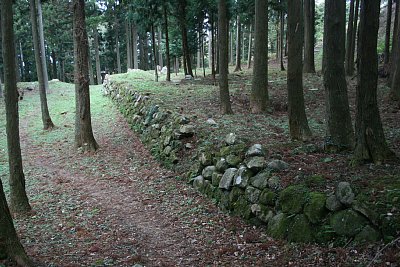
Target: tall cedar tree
pixel 168 78
pixel 339 132
pixel 370 139
pixel 259 88
pixel 309 39
pixel 40 68
pixel 185 44
pixel 349 39
pixel 350 59
pixel 10 245
pixel 97 55
pixel 395 85
pixel 238 43
pixel 387 34
pixel 298 124
pixel 223 48
pixel 83 125
pixel 394 55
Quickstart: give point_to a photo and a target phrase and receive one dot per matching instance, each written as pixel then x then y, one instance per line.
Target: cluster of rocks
pixel 164 131
pixel 245 182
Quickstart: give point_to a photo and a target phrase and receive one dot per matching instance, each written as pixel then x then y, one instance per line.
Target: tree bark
pixel 213 52
pixel 153 40
pixel 259 88
pixel 370 139
pixel 282 27
pixel 168 78
pixel 298 124
pixel 119 68
pixel 129 48
pixel 339 130
pixel 250 48
pixel 231 52
pixel 349 40
pixel 54 65
pixel 97 55
pixel 309 39
pixel 40 69
pixel 160 55
pixel 42 47
pixel 238 43
pixel 22 62
pixel 91 75
pixel 84 137
pixel 185 46
pixel 18 199
pixel 394 55
pixel 387 32
pixel 225 104
pixel 350 68
pixel 1 87
pixel 135 47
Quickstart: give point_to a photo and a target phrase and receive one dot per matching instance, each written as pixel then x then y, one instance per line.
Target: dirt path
pixel 119 207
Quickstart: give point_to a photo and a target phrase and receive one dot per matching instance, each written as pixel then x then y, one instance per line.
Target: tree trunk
pixel 387 35
pixel 339 131
pixel 42 47
pixel 46 119
pixel 185 44
pixel 370 139
pixel 91 76
pixel 54 65
pixel 168 78
pixel 259 88
pixel 350 68
pixel 298 124
pixel 231 52
pixel 85 138
pixel 18 199
pixel 250 48
pixel 225 105
pixel 309 39
pixel 119 68
pixel 349 39
pixel 213 72
pixel 129 48
pixel 395 86
pixel 134 43
pixel 153 40
pixel 160 55
pixel 22 62
pixel 282 27
pixel 1 87
pixel 394 55
pixel 198 58
pixel 238 42
pixel 243 44
pixel 97 55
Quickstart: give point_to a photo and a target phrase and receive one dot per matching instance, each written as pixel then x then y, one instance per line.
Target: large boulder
pixel 256 163
pixel 315 209
pixel 332 203
pixel 262 212
pixel 293 198
pixel 242 177
pixel 300 230
pixel 260 180
pixel 268 197
pixel 198 183
pixel 348 222
pixel 227 179
pixel 278 226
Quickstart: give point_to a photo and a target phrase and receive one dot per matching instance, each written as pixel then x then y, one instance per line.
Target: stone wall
pixel 245 181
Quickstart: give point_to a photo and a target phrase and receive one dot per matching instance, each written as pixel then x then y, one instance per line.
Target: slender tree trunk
pixel 168 78
pixel 350 67
pixel 387 35
pixel 370 139
pixel 298 124
pixel 198 58
pixel 309 39
pixel 129 49
pixel 250 48
pixel 259 88
pixel 18 199
pixel 22 62
pixel 225 105
pixel 1 87
pixel 46 120
pixel 85 139
pixel 54 65
pixel 160 55
pixel 119 68
pixel 97 55
pixel 91 76
pixel 231 52
pixel 349 39
pixel 395 86
pixel 153 40
pixel 134 43
pixel 42 47
pixel 282 27
pixel 339 132
pixel 243 44
pixel 394 55
pixel 238 42
pixel 202 56
pixel 213 72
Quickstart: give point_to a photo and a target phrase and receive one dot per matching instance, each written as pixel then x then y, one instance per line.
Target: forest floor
pixel 120 207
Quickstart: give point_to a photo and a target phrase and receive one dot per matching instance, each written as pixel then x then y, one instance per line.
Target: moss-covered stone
pixel 390 226
pixel 278 226
pixel 252 194
pixel 260 181
pixel 208 172
pixel 293 198
pixel 300 230
pixel 221 165
pixel 209 189
pixel 368 234
pixel 315 180
pixel 216 178
pixel 324 233
pixel 348 222
pixel 315 209
pixel 256 163
pixel 198 183
pixel 268 197
pixel 242 177
pixel 262 212
pixel 233 160
pixel 237 149
pixel 235 194
pixel 242 208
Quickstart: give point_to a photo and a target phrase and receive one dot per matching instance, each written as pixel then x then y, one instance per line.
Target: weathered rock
pixel 211 122
pixel 306 149
pixel 278 165
pixel 235 194
pixel 209 189
pixel 167 140
pixel 260 181
pixel 344 193
pixel 255 151
pixel 222 165
pixel 332 203
pixel 348 222
pixel 206 158
pixel 274 183
pixel 293 198
pixel 237 149
pixel 242 177
pixel 268 197
pixel 368 234
pixel 208 172
pixel 278 226
pixel 167 150
pixel 262 212
pixel 198 183
pixel 367 210
pixel 300 230
pixel 186 130
pixel 227 179
pixel 242 208
pixel 315 209
pixel 188 145
pixel 149 115
pixel 256 163
pixel 233 160
pixel 230 139
pixel 252 194
pixel 216 178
